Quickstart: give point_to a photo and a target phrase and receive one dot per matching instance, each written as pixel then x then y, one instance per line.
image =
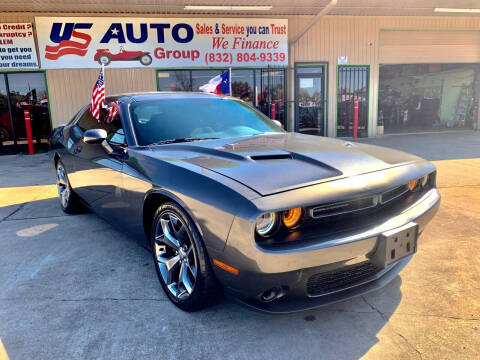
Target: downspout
pixel 291 44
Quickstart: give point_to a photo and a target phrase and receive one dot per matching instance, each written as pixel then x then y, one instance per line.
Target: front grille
pixel 357 205
pixel 327 282
pixel 343 207
pixel 392 194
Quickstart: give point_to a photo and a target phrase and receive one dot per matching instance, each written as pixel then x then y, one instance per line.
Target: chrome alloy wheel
pixel 62 186
pixel 175 256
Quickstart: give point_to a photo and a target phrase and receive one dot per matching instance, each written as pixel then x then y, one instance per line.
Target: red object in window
pixel 28 127
pixel 355 118
pixel 273 112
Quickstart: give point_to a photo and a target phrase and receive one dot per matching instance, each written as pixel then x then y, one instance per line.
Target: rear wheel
pixel 104 60
pixel 181 260
pixel 68 202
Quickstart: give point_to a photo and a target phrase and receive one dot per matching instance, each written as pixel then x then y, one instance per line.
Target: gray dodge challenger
pixel 231 203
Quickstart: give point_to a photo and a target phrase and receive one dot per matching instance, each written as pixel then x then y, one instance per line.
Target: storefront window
pixel 352 90
pixel 27 91
pixel 271 99
pixel 176 80
pixel 201 77
pixel 262 88
pixel 243 85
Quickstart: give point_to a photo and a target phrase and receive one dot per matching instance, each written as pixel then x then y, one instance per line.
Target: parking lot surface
pixel 74 287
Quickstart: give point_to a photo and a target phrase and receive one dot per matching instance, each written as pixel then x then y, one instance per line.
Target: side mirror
pixel 278 123
pixel 94 136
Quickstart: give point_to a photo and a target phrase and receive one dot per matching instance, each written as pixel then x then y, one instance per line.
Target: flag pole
pixel 103 72
pixel 230 79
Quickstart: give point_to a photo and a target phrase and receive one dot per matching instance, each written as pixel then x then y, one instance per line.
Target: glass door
pixel 310 100
pixel 28 91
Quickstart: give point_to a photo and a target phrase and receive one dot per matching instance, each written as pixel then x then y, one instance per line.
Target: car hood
pixel 272 163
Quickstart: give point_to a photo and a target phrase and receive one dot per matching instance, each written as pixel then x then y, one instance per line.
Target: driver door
pixel 98 167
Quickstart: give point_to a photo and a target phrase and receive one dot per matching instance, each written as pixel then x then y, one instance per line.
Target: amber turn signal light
pixel 412 184
pixel 292 218
pixel 226 267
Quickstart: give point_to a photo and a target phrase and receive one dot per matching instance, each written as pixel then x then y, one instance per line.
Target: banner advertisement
pixel 17 46
pixel 87 42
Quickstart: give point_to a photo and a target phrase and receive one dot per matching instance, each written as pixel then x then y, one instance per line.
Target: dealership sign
pixel 67 42
pixel 17 46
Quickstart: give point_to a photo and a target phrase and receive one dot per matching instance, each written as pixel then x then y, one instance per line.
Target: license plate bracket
pixel 396 244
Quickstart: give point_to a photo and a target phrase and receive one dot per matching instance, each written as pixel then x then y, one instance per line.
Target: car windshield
pixel 187 119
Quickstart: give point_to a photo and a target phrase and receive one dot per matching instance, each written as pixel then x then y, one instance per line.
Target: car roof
pixel 160 95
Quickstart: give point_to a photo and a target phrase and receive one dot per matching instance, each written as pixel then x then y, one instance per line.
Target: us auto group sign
pixel 68 42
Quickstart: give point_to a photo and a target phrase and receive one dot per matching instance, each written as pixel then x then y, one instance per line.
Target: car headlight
pixel 420 183
pixel 292 218
pixel 267 223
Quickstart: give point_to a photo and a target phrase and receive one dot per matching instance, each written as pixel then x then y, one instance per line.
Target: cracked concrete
pixel 74 287
pixel 384 317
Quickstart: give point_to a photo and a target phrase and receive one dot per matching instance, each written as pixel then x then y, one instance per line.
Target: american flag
pixel 112 111
pixel 98 96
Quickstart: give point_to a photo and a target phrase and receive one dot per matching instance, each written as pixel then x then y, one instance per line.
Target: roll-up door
pixel 429 46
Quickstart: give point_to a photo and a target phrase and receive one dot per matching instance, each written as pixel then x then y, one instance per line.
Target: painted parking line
pixel 23 194
pixel 3 352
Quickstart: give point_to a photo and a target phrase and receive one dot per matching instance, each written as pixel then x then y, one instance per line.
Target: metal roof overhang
pixel 279 7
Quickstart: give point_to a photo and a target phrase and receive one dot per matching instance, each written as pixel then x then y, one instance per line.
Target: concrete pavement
pixel 73 287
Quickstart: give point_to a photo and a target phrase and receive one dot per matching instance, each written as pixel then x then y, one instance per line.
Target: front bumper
pixel 289 269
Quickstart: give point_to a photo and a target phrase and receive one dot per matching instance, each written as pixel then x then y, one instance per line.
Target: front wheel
pixel 145 60
pixel 181 260
pixel 68 201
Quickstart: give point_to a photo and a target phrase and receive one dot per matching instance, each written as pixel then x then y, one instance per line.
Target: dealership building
pixel 329 68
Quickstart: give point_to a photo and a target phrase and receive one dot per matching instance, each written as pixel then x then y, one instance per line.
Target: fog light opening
pixel 272 294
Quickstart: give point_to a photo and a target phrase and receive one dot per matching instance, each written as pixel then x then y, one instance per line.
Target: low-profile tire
pixel 181 260
pixel 67 198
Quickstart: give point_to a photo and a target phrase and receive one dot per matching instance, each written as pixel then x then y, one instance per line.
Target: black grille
pixel 327 282
pixel 357 205
pixel 343 207
pixel 393 194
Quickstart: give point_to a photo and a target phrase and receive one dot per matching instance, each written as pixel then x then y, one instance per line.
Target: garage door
pixel 429 46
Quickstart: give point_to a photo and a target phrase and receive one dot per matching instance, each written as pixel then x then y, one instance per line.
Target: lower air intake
pixel 327 282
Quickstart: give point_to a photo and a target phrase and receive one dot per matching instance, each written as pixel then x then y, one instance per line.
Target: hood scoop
pixel 271 157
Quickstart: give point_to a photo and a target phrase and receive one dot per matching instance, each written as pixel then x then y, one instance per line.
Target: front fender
pixel 210 199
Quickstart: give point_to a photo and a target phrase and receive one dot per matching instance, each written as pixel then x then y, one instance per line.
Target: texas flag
pixel 219 85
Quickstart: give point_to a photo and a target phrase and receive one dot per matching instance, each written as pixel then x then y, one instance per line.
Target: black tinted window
pixel 206 117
